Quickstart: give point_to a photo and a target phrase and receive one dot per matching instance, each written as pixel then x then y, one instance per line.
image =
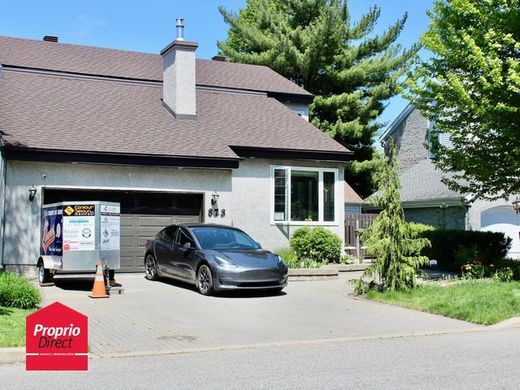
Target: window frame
pixel 321 200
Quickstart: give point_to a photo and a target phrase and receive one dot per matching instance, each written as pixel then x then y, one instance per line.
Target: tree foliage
pixel 470 87
pixel 393 241
pixel 350 70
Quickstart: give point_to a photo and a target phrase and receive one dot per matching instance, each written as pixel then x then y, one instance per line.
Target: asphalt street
pixel 467 360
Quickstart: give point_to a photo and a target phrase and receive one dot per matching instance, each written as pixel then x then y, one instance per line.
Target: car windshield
pixel 223 238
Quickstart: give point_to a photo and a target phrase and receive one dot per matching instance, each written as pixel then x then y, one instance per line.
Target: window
pixel 303 194
pixel 183 236
pixel 435 139
pixel 219 238
pixel 168 233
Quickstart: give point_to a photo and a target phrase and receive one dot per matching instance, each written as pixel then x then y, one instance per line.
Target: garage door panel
pixel 126 241
pixel 126 220
pixel 136 229
pixel 154 221
pixel 187 219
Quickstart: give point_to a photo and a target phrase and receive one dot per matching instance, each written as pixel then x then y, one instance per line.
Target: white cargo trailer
pixel 76 235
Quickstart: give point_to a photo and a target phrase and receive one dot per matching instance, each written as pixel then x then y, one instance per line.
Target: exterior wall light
pixel 516 204
pixel 214 199
pixel 32 193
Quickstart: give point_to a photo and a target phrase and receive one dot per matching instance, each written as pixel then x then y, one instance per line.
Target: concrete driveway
pixel 168 317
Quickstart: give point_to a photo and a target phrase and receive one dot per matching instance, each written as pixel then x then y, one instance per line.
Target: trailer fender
pixel 50 262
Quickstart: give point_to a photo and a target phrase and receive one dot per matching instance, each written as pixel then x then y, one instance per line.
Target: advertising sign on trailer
pixel 110 227
pixel 52 229
pixel 79 227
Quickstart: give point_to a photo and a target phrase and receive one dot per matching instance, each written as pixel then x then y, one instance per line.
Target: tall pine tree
pixel 390 238
pixel 350 70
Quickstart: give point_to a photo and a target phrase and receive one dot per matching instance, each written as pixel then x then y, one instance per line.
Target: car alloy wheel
pixel 150 268
pixel 205 280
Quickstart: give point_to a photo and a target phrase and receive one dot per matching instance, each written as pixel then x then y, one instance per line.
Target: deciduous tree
pixel 470 87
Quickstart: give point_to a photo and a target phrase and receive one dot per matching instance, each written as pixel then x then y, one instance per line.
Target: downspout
pixel 4 189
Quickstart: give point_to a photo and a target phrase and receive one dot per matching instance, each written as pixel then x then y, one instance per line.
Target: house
pixel 426 199
pixel 171 137
pixel 353 202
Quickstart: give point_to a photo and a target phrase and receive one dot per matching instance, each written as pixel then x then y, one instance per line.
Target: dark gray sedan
pixel 214 258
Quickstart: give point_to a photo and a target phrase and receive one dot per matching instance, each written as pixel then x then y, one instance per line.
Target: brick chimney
pixel 179 75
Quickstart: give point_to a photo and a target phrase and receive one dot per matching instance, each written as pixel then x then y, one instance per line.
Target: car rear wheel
pixel 44 275
pixel 150 268
pixel 205 280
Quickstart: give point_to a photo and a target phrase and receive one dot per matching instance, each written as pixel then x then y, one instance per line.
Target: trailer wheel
pixel 44 275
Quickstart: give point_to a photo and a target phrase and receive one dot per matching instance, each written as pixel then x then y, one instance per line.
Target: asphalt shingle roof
pixel 68 113
pixel 422 182
pixel 146 66
pixel 64 111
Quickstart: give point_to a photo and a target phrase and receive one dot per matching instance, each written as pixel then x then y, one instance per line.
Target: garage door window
pixel 303 195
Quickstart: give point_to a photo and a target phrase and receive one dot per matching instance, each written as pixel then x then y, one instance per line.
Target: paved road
pixel 472 360
pixel 164 316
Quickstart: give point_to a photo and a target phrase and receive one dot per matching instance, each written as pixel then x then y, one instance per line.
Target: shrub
pixel 419 228
pixel 17 291
pixel 288 256
pixel 317 245
pixel 454 248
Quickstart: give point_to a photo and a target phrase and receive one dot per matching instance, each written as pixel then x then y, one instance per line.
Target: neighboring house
pixel 353 202
pixel 171 137
pixel 426 199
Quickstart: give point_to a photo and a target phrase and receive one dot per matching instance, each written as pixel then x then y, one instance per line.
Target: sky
pixel 148 26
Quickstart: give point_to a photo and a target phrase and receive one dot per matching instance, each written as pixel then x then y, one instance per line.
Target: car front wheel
pixel 150 268
pixel 205 280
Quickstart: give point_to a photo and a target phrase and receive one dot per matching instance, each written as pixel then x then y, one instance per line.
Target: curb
pixel 513 322
pixel 12 355
pixel 312 273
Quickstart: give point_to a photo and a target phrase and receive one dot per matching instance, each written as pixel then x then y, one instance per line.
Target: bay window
pixel 301 194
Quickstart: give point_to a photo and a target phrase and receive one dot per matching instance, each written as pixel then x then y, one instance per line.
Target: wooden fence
pixel 354 226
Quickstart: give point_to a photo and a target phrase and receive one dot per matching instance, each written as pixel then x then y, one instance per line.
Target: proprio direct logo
pixel 56 339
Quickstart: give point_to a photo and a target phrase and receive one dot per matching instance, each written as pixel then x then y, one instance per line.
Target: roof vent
pixel 180 29
pixel 50 38
pixel 219 58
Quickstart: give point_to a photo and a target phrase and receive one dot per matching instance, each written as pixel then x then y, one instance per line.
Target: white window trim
pixel 320 221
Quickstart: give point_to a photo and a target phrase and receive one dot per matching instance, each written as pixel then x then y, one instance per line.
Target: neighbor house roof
pixel 351 196
pixel 423 183
pixel 396 122
pixel 57 97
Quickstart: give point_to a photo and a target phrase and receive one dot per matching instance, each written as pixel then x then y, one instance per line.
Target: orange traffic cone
pixel 98 291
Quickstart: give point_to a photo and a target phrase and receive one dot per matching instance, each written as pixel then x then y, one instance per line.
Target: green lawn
pixel 12 326
pixel 483 302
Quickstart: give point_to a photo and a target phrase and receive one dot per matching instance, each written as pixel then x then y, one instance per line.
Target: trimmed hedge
pixel 454 248
pixel 17 291
pixel 318 245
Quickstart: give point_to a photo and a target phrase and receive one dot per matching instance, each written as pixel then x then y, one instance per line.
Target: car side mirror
pixel 259 245
pixel 187 245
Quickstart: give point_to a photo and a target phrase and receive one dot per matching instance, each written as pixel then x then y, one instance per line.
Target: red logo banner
pixel 56 339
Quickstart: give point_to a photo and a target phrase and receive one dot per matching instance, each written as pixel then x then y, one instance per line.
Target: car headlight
pixel 279 261
pixel 225 263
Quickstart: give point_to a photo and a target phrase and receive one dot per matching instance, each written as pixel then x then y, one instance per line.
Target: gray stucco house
pixel 171 137
pixel 426 199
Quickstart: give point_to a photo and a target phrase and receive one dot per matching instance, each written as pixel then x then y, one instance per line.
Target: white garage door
pixel 503 219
